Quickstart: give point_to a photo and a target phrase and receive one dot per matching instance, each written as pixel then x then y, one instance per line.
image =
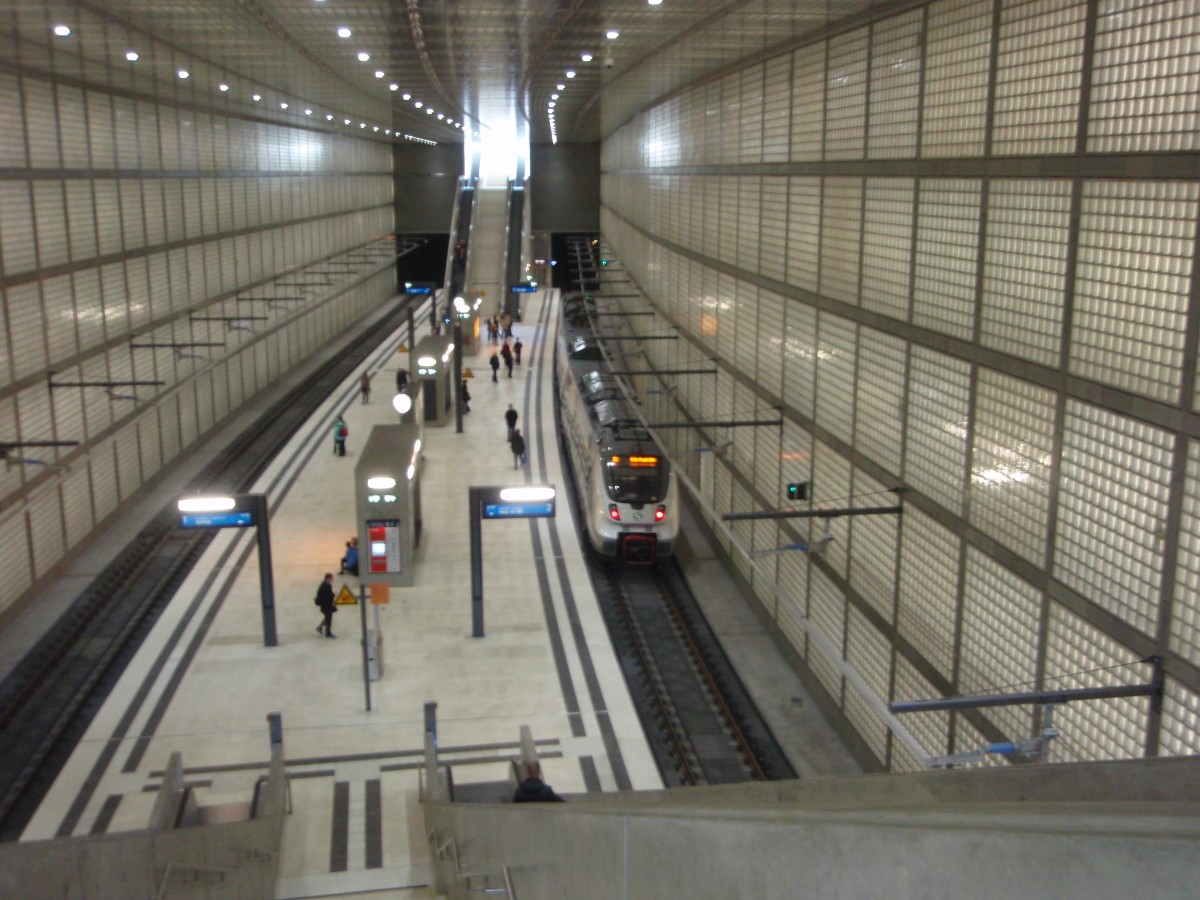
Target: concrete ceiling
pixel 490 66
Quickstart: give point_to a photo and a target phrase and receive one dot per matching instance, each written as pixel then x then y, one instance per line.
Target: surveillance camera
pixel 608 62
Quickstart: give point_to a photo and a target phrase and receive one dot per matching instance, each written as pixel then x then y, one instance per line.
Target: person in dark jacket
pixel 510 419
pixel 518 448
pixel 494 362
pixel 517 345
pixel 466 397
pixel 534 790
pixel 506 354
pixel 401 379
pixel 328 608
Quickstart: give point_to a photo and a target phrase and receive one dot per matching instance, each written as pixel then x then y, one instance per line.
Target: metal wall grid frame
pixel 975 59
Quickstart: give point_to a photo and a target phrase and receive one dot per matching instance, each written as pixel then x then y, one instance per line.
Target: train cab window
pixel 627 483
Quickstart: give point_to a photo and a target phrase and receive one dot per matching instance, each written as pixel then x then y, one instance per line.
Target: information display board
pixel 541 509
pixel 238 518
pixel 383 548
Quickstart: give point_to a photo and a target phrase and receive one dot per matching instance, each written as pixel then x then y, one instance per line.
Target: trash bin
pixel 374 655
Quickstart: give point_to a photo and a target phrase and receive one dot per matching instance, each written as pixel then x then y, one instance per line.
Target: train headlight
pixel 660 514
pixel 614 513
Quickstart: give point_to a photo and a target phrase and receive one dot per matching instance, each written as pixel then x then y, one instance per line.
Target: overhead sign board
pixel 524 288
pixel 418 289
pixel 238 518
pixel 502 510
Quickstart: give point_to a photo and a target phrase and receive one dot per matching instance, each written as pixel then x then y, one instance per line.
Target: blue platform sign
pixel 540 509
pixel 238 518
pixel 418 289
pixel 524 288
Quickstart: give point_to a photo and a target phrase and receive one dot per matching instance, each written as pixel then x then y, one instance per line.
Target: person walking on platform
pixel 364 387
pixel 506 353
pixel 401 378
pixel 328 607
pixel 518 448
pixel 340 433
pixel 494 362
pixel 517 350
pixel 510 417
pixel 466 397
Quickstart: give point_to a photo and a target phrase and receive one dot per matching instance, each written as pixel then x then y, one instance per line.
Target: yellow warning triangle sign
pixel 345 598
pixel 403 348
pixel 467 373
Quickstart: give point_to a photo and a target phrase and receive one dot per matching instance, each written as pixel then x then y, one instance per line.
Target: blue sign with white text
pixel 518 510
pixel 418 289
pixel 523 288
pixel 238 518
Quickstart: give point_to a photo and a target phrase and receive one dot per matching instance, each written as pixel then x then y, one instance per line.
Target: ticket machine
pixel 388 503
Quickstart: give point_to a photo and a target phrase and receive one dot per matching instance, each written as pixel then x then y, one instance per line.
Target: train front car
pixel 625 481
pixel 635 518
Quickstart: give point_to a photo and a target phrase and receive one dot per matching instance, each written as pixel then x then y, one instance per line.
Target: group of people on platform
pixel 515 441
pixel 510 355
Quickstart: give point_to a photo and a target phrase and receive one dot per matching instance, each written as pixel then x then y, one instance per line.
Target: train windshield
pixel 633 479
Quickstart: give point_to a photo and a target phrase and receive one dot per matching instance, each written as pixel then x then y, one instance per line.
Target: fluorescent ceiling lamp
pixel 527 494
pixel 381 482
pixel 426 361
pixel 402 403
pixel 206 504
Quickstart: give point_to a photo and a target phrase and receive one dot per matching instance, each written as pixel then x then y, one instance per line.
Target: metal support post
pixel 475 498
pixel 262 525
pixel 362 607
pixel 458 379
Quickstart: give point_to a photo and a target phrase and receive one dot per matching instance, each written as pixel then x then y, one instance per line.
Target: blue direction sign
pixel 524 288
pixel 519 510
pixel 418 289
pixel 238 518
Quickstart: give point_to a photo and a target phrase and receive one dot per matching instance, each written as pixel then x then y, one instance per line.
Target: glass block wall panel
pixel 769 341
pixel 835 375
pixel 872 541
pixel 958 41
pixel 1185 612
pixel 1145 94
pixel 750 115
pixel 799 357
pixel 868 653
pixel 1038 76
pixel 777 100
pixel 1078 655
pixel 1132 282
pixel 12 135
pixel 841 238
pixel 879 398
pixel 749 227
pixel 1180 731
pixel 1024 268
pixel 827 613
pixel 947 250
pixel 731 114
pixel 936 423
pixel 1011 462
pixel 846 96
pixel 887 246
pixel 895 87
pixel 929 728
pixel 773 236
pixel 808 102
pixel 830 488
pixel 999 645
pixel 1112 506
pixel 928 588
pixel 804 232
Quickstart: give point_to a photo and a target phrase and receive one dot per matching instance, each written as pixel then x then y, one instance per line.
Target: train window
pixel 581 349
pixel 626 484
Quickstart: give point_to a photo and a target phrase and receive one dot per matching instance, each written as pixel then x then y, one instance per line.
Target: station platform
pixel 203 683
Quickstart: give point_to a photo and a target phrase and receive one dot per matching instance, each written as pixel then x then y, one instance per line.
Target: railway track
pixel 702 725
pixel 50 698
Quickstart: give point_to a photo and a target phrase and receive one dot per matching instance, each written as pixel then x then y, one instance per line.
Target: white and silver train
pixel 625 481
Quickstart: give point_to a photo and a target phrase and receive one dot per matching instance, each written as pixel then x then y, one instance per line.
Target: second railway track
pixel 48 700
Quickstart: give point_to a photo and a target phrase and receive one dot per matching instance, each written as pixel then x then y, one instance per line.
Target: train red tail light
pixel 660 514
pixel 614 513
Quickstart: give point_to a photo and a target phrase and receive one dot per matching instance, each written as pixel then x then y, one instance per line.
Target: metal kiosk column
pixel 432 367
pixel 388 505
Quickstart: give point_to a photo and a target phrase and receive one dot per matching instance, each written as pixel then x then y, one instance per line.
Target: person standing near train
pixel 327 606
